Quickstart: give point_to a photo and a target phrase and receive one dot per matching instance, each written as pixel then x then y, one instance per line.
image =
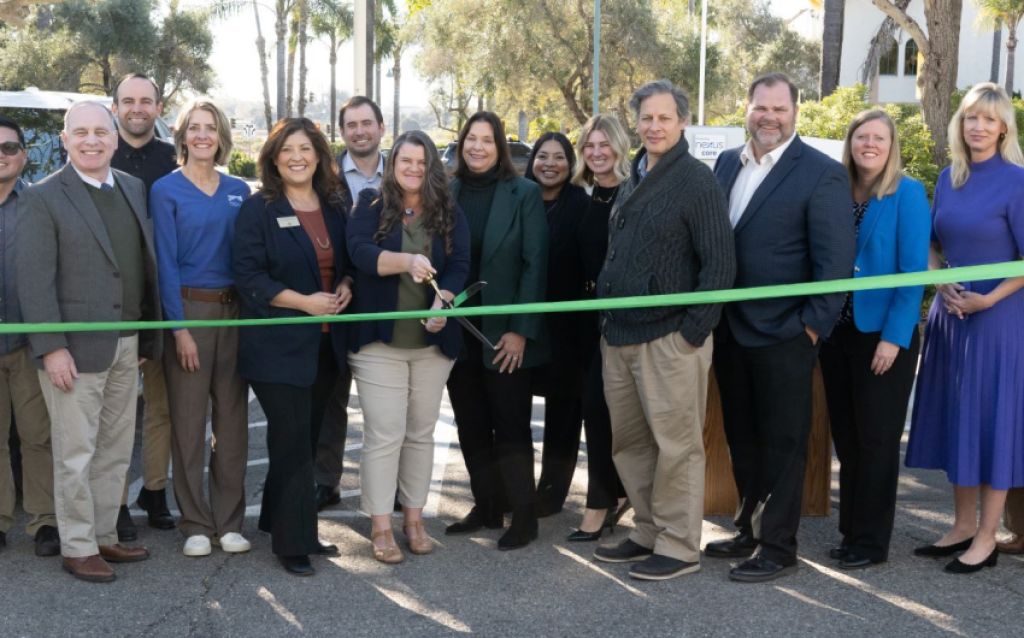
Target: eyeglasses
pixel 11 148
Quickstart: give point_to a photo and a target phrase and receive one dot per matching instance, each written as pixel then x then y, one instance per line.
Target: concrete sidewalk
pixel 550 588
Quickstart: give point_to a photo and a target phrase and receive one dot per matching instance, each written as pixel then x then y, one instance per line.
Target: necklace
pixel 609 199
pixel 324 244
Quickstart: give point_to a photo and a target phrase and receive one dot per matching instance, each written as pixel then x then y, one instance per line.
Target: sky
pixel 235 61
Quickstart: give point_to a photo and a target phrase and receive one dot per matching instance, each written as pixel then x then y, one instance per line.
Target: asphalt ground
pixel 550 588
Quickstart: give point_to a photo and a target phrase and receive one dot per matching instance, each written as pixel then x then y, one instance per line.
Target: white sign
pixel 707 146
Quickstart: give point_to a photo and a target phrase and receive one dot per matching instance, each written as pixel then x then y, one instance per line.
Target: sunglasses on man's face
pixel 11 149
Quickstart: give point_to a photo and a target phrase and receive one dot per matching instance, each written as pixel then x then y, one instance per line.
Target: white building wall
pixel 861 22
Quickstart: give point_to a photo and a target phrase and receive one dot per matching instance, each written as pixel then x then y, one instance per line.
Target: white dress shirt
pixel 95 183
pixel 750 177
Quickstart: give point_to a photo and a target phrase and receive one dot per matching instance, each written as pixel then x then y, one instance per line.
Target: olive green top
pixel 126 240
pixel 410 333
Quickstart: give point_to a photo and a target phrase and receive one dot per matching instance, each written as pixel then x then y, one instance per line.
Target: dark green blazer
pixel 514 263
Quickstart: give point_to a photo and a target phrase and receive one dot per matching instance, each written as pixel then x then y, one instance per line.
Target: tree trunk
pixel 261 48
pixel 303 27
pixel 869 72
pixel 937 78
pixel 289 98
pixel 281 31
pixel 396 71
pixel 1011 49
pixel 831 46
pixel 371 23
pixel 997 50
pixel 334 90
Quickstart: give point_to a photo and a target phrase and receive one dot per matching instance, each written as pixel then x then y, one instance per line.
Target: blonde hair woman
pixel 969 410
pixel 869 361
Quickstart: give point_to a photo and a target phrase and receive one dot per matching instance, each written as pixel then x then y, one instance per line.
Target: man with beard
pixel 361 123
pixel 141 154
pixel 789 208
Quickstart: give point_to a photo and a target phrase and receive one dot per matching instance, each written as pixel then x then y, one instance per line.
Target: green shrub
pixel 241 165
pixel 337 148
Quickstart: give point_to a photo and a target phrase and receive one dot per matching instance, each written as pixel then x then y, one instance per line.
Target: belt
pixel 223 296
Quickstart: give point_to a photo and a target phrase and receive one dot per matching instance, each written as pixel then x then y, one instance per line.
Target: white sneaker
pixel 197 545
pixel 233 543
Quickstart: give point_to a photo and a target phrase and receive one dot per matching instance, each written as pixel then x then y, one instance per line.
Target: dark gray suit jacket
pixel 797 227
pixel 67 272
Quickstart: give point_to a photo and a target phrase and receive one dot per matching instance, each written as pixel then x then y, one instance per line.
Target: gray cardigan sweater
pixel 668 233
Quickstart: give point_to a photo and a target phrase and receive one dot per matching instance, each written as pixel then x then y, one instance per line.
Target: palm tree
pixel 222 8
pixel 333 20
pixel 1009 12
pixel 831 44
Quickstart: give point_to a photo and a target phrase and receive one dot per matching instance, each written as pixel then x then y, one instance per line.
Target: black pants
pixel 294 415
pixel 492 414
pixel 766 405
pixel 868 413
pixel 563 422
pixel 604 489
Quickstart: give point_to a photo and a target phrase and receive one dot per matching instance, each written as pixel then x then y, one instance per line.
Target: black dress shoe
pixel 126 531
pixel 957 566
pixel 324 549
pixel 853 560
pixel 939 551
pixel 625 552
pixel 154 502
pixel 838 553
pixel 521 531
pixel 326 496
pixel 297 565
pixel 759 569
pixel 658 567
pixel 741 545
pixel 47 541
pixel 477 518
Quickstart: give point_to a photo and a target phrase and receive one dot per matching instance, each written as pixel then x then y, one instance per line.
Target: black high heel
pixel 957 566
pixel 611 518
pixel 620 512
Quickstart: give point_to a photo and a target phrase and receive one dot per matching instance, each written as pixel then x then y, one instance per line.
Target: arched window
pixel 889 62
pixel 910 58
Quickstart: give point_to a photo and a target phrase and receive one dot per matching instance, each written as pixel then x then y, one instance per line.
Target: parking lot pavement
pixel 550 588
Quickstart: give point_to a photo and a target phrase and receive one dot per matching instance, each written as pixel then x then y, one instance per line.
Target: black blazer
pixel 797 227
pixel 268 259
pixel 374 293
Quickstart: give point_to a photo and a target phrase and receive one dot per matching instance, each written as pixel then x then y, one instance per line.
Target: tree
pixel 282 9
pixel 939 49
pixel 303 10
pixel 1009 12
pixel 831 45
pixel 261 48
pixel 879 45
pixel 332 20
pixel 182 48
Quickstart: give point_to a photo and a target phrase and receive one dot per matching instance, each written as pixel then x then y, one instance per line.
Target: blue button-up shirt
pixel 357 182
pixel 10 311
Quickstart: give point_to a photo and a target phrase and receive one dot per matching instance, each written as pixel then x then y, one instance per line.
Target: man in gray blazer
pixel 86 254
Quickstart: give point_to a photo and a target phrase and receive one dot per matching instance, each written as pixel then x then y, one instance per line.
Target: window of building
pixel 910 58
pixel 889 62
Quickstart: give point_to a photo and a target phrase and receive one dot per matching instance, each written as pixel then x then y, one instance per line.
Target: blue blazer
pixel 797 227
pixel 893 238
pixel 374 293
pixel 268 259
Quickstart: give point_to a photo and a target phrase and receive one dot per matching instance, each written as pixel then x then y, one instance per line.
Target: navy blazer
pixel 893 238
pixel 267 260
pixel 374 293
pixel 797 227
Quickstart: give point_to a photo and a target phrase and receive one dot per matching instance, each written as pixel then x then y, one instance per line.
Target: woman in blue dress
pixel 969 409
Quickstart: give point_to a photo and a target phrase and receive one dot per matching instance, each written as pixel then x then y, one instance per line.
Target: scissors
pixel 471 290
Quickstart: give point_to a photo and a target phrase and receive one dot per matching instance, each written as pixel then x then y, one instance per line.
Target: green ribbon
pixel 948 275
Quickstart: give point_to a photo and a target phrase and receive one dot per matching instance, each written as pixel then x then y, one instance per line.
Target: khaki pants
pixel 216 381
pixel 19 388
pixel 400 395
pixel 156 430
pixel 1014 513
pixel 657 396
pixel 93 430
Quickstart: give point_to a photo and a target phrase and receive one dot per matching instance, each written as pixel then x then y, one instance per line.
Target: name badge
pixel 288 222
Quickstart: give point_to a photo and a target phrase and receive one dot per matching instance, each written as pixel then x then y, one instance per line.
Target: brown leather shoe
pixel 1014 546
pixel 422 543
pixel 89 568
pixel 120 554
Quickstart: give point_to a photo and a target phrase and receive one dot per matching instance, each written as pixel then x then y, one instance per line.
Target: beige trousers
pixel 92 430
pixel 657 396
pixel 1014 513
pixel 19 388
pixel 400 395
pixel 156 430
pixel 217 381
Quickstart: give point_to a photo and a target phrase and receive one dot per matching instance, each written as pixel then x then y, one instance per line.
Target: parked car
pixel 520 152
pixel 41 115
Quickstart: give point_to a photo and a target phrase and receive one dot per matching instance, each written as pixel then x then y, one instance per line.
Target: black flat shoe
pixel 476 519
pixel 759 569
pixel 126 531
pixel 297 565
pixel 154 503
pixel 625 552
pixel 47 541
pixel 739 546
pixel 838 553
pixel 956 566
pixel 521 531
pixel 939 551
pixel 852 560
pixel 323 549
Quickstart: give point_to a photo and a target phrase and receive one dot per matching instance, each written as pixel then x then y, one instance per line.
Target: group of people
pixel 133 229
